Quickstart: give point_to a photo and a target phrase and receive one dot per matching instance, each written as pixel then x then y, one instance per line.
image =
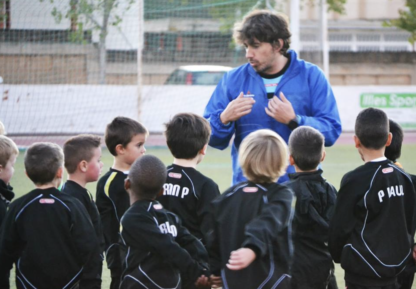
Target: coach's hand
pixel 280 109
pixel 241 258
pixel 237 108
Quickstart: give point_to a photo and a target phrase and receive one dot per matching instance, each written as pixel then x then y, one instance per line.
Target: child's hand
pixel 241 258
pixel 216 281
pixel 203 282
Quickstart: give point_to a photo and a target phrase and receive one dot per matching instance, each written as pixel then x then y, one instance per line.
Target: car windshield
pixel 195 77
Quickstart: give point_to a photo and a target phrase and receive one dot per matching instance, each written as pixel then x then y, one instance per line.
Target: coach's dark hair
pixel 306 146
pixel 42 162
pixel 120 131
pixel 186 134
pixel 394 150
pixel 147 176
pixel 79 148
pixel 372 128
pixel 264 26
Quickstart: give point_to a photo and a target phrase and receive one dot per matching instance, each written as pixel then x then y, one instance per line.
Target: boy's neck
pixel 78 178
pixel 298 170
pixel 192 163
pixel 54 184
pixel 120 165
pixel 368 155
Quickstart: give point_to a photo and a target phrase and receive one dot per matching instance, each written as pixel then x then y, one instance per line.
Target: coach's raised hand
pixel 237 108
pixel 281 109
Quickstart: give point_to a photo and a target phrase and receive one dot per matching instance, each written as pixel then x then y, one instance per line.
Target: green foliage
pixel 406 20
pixel 230 11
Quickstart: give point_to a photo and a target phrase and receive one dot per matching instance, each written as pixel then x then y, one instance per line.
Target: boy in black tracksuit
pixel 392 153
pixel 187 192
pixel 315 203
pixel 83 164
pixel 159 252
pixel 372 230
pixel 251 245
pixel 46 233
pixel 125 140
pixel 8 155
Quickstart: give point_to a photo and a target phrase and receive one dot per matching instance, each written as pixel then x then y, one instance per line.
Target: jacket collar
pixel 6 191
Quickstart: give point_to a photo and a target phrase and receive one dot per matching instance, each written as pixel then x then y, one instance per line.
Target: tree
pixel 95 15
pixel 406 21
pixel 229 11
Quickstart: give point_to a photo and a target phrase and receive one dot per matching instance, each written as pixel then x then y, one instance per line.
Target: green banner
pixel 388 100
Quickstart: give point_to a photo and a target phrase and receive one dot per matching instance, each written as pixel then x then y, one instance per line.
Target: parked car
pixel 197 75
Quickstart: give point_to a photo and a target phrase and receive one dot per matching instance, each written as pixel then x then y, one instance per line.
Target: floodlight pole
pixel 140 60
pixel 294 25
pixel 324 37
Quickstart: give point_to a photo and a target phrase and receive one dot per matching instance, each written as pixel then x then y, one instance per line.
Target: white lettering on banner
pixel 175 190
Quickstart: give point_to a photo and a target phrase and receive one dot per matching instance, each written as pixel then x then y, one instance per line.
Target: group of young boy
pixel 169 227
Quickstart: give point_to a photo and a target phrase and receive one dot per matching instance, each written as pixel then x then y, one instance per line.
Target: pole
pixel 139 59
pixel 294 24
pixel 324 37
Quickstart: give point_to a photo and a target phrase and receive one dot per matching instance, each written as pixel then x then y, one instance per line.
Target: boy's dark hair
pixel 186 134
pixel 120 131
pixel 372 128
pixel 306 146
pixel 42 161
pixel 79 148
pixel 264 26
pixel 394 150
pixel 147 176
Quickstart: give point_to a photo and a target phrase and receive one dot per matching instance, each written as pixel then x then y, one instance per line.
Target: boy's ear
pixel 127 184
pixel 160 193
pixel 291 160
pixel 323 156
pixel 83 166
pixel 60 173
pixel 203 151
pixel 389 139
pixel 1 168
pixel 357 142
pixel 119 149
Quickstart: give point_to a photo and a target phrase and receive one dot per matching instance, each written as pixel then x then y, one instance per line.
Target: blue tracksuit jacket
pixel 303 84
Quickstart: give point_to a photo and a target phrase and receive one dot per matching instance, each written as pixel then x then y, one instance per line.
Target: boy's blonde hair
pixel 263 156
pixel 7 149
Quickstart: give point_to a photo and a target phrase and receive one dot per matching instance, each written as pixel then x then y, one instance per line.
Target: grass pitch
pixel 217 165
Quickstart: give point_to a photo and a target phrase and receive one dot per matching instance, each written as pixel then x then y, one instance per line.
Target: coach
pixel 275 90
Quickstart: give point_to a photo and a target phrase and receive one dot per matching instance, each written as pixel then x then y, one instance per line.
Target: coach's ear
pixel 389 139
pixel 357 142
pixel 291 160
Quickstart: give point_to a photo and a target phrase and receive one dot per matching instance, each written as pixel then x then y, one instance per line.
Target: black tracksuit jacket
pixel 48 235
pixel 257 217
pixel 6 196
pixel 189 194
pixel 315 205
pixel 373 227
pixel 112 202
pixel 91 276
pixel 158 251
